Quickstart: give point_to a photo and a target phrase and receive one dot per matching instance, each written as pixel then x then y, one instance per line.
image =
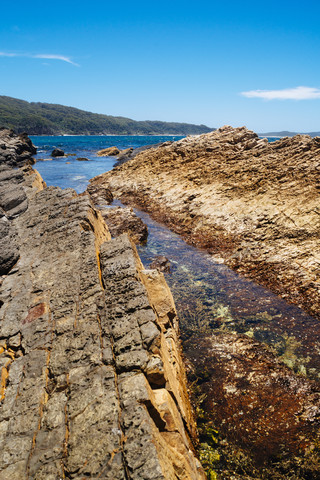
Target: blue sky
pixel 237 63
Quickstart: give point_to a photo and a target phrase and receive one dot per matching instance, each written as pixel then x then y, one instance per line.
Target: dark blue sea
pixel 69 172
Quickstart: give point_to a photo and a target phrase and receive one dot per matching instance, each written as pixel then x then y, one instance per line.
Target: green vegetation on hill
pixel 49 119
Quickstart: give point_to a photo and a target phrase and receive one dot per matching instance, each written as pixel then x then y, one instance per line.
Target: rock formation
pixel 100 196
pixel 250 202
pixel 124 220
pixel 130 153
pixel 92 381
pixel 108 152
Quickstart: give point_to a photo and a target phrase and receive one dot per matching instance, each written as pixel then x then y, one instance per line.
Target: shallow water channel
pixel 211 297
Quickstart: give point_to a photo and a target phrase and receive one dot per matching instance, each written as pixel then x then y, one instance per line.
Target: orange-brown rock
pixel 108 152
pixel 253 203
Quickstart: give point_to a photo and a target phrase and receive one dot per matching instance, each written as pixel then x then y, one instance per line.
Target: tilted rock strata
pixel 119 219
pixel 100 196
pixel 15 150
pixel 92 382
pixel 130 153
pixel 251 202
pixel 124 220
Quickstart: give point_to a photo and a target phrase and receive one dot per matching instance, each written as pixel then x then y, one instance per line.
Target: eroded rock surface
pixel 108 152
pixel 124 220
pixel 253 203
pixel 100 196
pixel 128 154
pixel 15 151
pixel 92 381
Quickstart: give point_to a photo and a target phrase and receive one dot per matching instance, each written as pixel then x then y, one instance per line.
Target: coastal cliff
pixel 92 380
pixel 252 204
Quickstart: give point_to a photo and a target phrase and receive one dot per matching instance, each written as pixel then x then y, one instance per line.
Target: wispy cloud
pixel 47 56
pixel 297 93
pixel 55 57
pixel 3 54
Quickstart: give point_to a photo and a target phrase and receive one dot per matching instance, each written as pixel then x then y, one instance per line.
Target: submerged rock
pixel 264 419
pixel 161 263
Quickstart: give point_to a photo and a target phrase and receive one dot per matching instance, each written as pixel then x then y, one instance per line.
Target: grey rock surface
pixel 92 381
pixel 15 151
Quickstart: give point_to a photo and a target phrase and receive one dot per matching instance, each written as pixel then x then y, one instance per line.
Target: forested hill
pixel 49 119
pixel 285 133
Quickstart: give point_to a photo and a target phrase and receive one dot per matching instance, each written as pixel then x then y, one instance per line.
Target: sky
pixel 205 62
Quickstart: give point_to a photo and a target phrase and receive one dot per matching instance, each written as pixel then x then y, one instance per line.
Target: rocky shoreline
pixel 92 379
pixel 252 204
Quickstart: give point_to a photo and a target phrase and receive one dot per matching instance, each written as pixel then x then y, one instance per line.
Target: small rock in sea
pixel 83 159
pixel 68 162
pixel 108 152
pixel 161 263
pixel 57 152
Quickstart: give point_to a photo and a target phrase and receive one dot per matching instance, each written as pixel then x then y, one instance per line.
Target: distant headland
pixel 50 119
pixel 285 133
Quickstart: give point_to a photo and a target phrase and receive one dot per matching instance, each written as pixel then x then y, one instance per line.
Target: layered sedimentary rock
pixel 252 203
pixel 15 151
pixel 124 220
pixel 92 381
